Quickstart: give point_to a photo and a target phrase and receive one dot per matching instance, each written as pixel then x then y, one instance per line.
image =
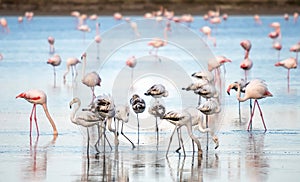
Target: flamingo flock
pixel 102 111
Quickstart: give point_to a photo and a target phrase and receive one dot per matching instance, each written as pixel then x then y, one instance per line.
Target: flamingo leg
pixel 240 118
pixel 261 115
pixel 137 117
pixel 199 100
pixel 54 76
pixel 181 140
pixel 133 146
pixel 88 143
pixel 170 141
pixel 178 133
pixel 207 133
pixel 157 134
pixel 37 128
pixel 30 118
pixel 251 117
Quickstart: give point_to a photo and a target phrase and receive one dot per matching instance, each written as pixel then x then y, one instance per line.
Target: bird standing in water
pixel 37 97
pixel 138 106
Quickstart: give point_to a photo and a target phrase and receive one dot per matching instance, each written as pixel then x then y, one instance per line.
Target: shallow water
pixel 242 155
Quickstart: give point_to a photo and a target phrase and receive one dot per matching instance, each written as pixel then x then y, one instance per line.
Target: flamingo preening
pixel 37 97
pixel 138 106
pixel 256 89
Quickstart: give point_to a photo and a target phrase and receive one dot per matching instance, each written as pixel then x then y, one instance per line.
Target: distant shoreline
pixel 178 9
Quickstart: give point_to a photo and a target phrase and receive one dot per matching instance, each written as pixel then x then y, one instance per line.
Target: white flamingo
pixel 92 80
pixel 71 63
pixel 180 119
pixel 84 118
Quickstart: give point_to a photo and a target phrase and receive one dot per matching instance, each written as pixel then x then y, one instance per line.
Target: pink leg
pixel 261 115
pixel 37 128
pixel 30 118
pixel 250 122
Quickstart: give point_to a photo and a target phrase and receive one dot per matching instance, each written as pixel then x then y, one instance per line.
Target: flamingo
pixel 210 107
pixel 84 118
pixel 122 114
pixel 220 60
pixel 4 24
pixel 207 31
pixel 83 60
pixel 84 29
pixel 256 89
pixel 51 41
pixel 290 63
pixel 118 16
pixel 277 46
pixel 92 80
pixel 104 106
pixel 296 16
pixel 55 60
pixel 180 119
pixel 71 62
pixel 37 97
pixel 243 85
pixel 156 43
pixel 295 48
pixel 286 17
pixel 257 20
pixel 157 109
pixel 134 27
pixel 157 91
pixel 131 62
pixel 247 63
pixel 138 106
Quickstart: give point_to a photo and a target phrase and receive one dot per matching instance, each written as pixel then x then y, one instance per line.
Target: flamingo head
pixel 278 64
pixel 83 55
pixel 232 86
pixel 21 95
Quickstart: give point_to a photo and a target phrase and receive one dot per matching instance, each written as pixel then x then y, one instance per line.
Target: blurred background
pixel 139 7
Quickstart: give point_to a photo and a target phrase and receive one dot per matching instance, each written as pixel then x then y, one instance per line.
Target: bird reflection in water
pixel 36 169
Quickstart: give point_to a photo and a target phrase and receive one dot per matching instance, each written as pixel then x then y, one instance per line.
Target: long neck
pixel 73 114
pixel 50 119
pixel 238 94
pixel 109 123
pixel 83 67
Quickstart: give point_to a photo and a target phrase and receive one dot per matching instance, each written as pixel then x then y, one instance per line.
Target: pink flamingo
pixel 247 63
pixel 54 61
pixel 277 46
pixel 51 41
pixel 118 16
pixel 156 43
pixel 4 24
pixel 71 62
pixel 256 89
pixel 296 15
pixel 207 31
pixel 286 17
pixel 92 80
pixel 131 62
pixel 295 48
pixel 37 97
pixel 290 63
pixel 257 19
